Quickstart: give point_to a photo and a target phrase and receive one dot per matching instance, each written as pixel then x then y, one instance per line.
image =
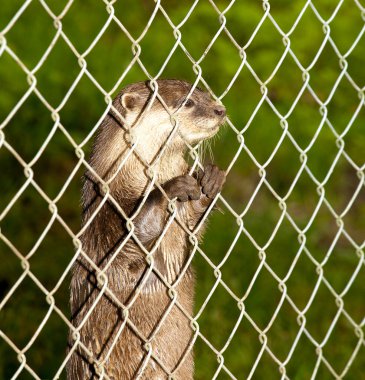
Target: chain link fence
pixel 280 273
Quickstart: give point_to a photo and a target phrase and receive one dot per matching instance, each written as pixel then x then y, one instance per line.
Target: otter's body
pixel 116 342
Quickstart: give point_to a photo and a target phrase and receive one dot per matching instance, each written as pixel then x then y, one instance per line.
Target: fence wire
pixel 320 347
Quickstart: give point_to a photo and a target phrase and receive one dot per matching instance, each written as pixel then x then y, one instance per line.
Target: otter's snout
pixel 220 110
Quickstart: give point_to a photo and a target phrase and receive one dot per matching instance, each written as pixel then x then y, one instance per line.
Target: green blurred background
pixel 28 128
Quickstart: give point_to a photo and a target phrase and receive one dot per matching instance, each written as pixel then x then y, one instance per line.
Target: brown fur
pixel 101 239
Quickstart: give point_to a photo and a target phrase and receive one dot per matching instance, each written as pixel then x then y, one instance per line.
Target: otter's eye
pixel 189 103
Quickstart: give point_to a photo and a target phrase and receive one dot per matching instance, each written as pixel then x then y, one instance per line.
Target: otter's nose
pixel 220 111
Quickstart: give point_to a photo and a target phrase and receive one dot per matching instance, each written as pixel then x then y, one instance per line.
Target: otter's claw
pixel 183 188
pixel 212 180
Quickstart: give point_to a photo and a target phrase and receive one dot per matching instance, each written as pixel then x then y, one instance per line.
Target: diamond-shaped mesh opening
pixel 240 196
pixel 56 328
pixel 279 267
pixel 206 24
pixel 267 39
pixel 354 220
pixel 240 358
pixel 32 121
pixel 320 239
pixel 262 301
pixel 354 139
pixel 352 296
pixel 135 20
pixel 323 372
pixel 26 220
pixel 326 73
pixel 320 163
pixel 114 44
pixel 11 271
pixel 96 18
pixel 226 317
pixel 57 163
pixel 282 246
pixel 356 59
pixel 303 359
pixel 226 69
pixel 283 332
pixel 325 9
pixel 216 252
pixel 256 134
pixel 9 12
pixel 263 204
pixel 343 186
pixel 9 166
pixel 206 355
pixel 11 357
pixel 30 49
pixel 301 292
pixel 301 215
pixel 55 247
pixel 266 367
pixel 284 168
pixel 287 12
pixel 340 347
pixel 286 85
pixel 168 43
pixel 244 258
pixel 11 93
pixel 307 38
pixel 68 202
pixel 78 119
pixel 305 120
pixel 58 73
pixel 242 108
pixel 320 320
pixel 343 255
pixel 243 32
pixel 15 313
pixel 343 106
pixel 355 366
pixel 337 25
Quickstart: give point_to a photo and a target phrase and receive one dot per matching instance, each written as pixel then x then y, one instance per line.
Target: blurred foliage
pixel 28 128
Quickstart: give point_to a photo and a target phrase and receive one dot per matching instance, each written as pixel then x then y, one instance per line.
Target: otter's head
pixel 198 115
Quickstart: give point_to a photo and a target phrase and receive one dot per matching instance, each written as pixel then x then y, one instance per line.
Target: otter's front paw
pixel 212 180
pixel 183 188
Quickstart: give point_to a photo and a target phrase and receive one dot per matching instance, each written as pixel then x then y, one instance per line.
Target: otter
pixel 145 334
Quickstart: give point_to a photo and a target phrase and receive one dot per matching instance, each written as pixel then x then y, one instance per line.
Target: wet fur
pixel 108 229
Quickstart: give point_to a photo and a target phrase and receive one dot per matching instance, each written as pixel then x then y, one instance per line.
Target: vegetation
pixel 28 128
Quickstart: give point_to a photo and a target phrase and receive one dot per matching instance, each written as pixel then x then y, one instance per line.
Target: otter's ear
pixel 129 101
